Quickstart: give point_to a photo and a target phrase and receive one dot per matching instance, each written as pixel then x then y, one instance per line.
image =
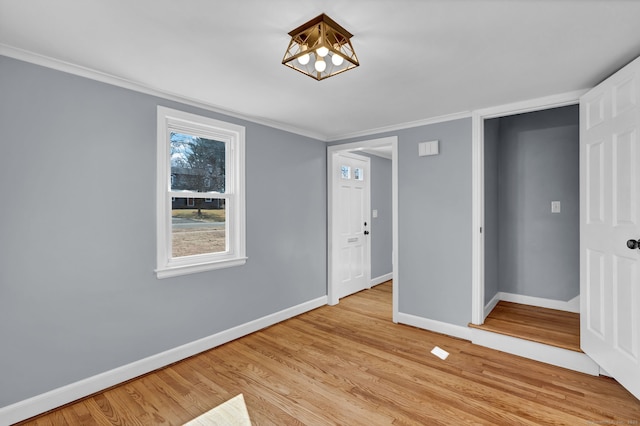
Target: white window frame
pixel 171 120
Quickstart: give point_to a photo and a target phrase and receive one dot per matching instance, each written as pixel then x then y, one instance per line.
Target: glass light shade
pixel 337 59
pixel 320 65
pixel 304 59
pixel 322 51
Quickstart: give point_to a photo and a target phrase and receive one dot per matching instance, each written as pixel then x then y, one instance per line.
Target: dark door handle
pixel 633 244
pixel 366 232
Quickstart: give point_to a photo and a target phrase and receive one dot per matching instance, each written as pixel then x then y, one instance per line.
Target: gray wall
pixel 381 226
pixel 434 220
pixel 539 163
pixel 78 295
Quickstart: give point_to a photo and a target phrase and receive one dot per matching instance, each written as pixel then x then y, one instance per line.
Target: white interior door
pixel 610 217
pixel 351 223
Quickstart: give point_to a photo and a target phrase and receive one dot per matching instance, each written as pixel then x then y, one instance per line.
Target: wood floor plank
pixel 350 365
pixel 548 326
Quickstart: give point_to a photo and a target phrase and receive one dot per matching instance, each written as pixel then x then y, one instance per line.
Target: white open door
pixel 351 223
pixel 610 225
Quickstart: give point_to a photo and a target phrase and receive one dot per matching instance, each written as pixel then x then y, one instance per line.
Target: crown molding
pixel 401 126
pixel 70 68
pixel 531 105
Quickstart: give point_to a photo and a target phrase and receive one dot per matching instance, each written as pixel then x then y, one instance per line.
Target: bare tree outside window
pixel 198 165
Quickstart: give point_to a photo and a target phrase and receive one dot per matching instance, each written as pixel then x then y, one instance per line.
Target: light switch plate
pixel 375 213
pixel 428 148
pixel 435 147
pixel 555 207
pixel 423 149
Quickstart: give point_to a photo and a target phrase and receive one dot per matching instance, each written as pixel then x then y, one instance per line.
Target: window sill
pixel 175 271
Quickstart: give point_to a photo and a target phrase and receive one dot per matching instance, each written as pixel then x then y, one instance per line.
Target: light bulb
pixel 322 51
pixel 337 59
pixel 304 59
pixel 320 65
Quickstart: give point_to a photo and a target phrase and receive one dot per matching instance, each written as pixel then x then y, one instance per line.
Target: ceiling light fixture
pixel 314 43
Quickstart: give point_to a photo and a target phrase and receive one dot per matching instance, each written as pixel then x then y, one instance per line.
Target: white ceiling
pixel 419 59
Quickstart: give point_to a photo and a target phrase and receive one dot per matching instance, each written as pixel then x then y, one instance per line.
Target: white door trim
pixel 477 170
pixel 393 141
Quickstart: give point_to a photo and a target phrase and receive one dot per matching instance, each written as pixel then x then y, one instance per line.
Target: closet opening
pixel 531 232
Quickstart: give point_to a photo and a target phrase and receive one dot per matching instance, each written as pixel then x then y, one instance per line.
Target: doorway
pixel 527 348
pixel 532 209
pixel 376 147
pixel 483 294
pixel 351 216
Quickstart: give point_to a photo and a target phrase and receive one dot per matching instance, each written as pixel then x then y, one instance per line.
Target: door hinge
pixel 481 229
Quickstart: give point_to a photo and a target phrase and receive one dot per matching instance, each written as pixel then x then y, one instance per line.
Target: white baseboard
pixel 572 305
pixel 604 372
pixel 381 279
pixel 492 304
pixel 564 358
pixel 49 400
pixel 437 326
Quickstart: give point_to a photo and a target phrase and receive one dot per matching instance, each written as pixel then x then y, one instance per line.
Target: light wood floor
pixel 548 326
pixel 350 365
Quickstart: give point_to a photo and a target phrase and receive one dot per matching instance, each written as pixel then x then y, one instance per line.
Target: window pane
pixel 345 172
pixel 358 174
pixel 197 164
pixel 198 229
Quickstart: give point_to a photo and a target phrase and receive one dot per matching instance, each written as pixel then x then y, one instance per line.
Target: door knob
pixel 366 232
pixel 633 244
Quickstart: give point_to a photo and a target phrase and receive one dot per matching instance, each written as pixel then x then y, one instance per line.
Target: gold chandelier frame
pixel 321 40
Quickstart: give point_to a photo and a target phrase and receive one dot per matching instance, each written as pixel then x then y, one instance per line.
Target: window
pixel 358 174
pixel 201 207
pixel 345 172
